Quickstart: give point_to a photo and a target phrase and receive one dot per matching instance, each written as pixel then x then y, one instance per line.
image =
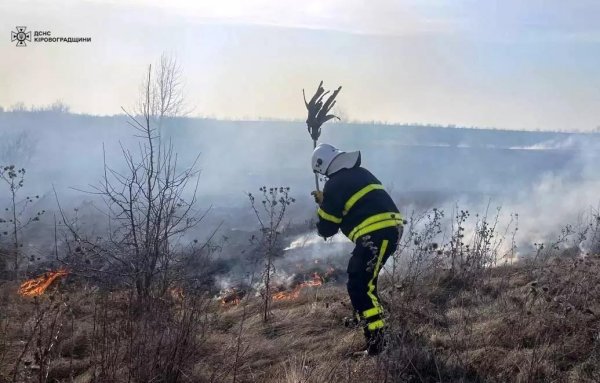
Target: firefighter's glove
pixel 318 195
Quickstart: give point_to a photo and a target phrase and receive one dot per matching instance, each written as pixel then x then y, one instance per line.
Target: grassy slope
pixel 514 323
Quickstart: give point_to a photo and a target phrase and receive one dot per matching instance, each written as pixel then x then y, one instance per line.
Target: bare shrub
pixel 464 311
pixel 40 348
pixel 16 217
pixel 457 248
pixel 163 95
pixel 140 321
pixel 150 206
pixel 275 201
pixel 162 345
pixel 469 257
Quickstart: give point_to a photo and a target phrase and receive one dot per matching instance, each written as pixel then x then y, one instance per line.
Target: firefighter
pixel 354 201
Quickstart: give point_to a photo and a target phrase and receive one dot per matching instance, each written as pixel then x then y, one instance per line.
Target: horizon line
pixel 49 109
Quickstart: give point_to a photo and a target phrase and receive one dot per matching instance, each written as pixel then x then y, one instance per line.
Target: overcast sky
pixel 508 64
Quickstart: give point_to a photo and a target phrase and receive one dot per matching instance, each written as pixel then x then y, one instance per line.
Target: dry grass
pixel 517 324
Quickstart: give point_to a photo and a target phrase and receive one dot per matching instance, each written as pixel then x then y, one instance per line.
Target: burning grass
pixel 316 280
pixel 37 286
pixel 283 292
pixel 231 297
pixel 523 323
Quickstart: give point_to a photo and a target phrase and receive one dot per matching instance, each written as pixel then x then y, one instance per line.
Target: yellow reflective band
pixel 328 216
pixel 373 219
pixel 371 312
pixel 394 218
pixel 376 226
pixel 359 194
pixel 375 325
pixel 371 287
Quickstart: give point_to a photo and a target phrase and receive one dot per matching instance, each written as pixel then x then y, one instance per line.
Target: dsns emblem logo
pixel 20 36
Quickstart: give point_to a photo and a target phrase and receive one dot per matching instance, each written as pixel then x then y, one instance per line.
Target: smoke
pixel 561 197
pixel 309 251
pixel 570 143
pixel 548 179
pixel 560 202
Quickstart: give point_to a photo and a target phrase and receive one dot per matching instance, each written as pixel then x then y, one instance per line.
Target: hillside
pixel 144 289
pixel 239 155
pixel 521 323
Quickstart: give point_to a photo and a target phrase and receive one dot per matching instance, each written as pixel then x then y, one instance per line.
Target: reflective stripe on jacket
pixel 355 202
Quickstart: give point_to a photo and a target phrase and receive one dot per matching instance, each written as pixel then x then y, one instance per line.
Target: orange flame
pixel 37 286
pixel 232 297
pixel 295 292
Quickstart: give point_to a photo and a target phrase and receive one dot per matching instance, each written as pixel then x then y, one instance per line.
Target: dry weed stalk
pixel 275 201
pixel 45 326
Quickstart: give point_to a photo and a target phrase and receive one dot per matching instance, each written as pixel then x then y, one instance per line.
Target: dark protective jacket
pixel 355 202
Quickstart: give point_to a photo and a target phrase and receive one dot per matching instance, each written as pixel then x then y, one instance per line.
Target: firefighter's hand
pixel 318 195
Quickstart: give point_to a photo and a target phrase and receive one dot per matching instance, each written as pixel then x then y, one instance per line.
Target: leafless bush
pixel 43 329
pixel 162 345
pixel 163 96
pixel 150 206
pixel 469 257
pixel 486 320
pixel 418 250
pixel 100 337
pixel 146 324
pixel 16 218
pixel 275 201
pixel 459 248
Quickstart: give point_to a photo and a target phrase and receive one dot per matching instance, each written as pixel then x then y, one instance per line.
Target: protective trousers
pixel 364 266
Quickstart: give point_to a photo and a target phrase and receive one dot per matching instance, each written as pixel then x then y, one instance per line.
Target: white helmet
pixel 326 159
